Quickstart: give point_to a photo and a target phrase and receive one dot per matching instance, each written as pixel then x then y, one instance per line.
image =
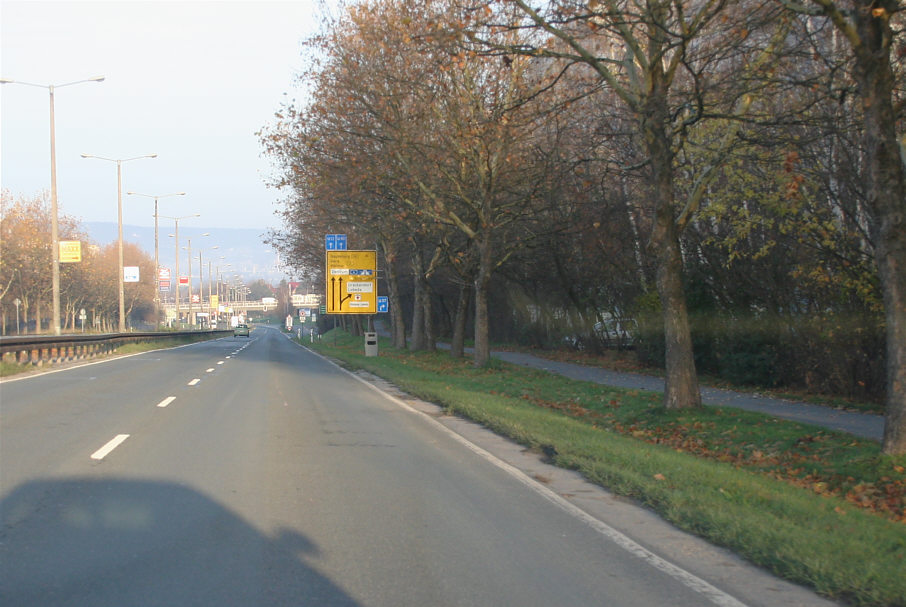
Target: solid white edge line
pixel 110 446
pixel 690 580
pixel 114 358
pixel 166 401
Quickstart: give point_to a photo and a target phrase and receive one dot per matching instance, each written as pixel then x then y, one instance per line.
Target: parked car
pixel 241 330
pixel 617 332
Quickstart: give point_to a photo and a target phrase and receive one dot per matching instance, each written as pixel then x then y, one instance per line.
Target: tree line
pixel 26 261
pixel 731 177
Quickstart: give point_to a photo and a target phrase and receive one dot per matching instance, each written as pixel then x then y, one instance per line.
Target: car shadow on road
pixel 89 541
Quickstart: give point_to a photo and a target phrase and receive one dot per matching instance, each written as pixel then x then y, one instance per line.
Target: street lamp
pixel 54 227
pixel 175 236
pixel 201 281
pixel 119 206
pixel 156 250
pixel 189 256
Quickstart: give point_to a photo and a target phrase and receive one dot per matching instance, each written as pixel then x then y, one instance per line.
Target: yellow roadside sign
pixel 351 282
pixel 70 251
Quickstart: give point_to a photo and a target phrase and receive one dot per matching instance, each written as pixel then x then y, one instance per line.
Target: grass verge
pixel 627 361
pixel 816 507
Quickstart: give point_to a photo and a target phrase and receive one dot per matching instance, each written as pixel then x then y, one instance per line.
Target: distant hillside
pixel 250 257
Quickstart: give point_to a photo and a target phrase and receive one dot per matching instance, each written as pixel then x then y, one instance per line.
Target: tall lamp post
pixel 119 206
pixel 54 227
pixel 175 236
pixel 189 256
pixel 156 250
pixel 201 281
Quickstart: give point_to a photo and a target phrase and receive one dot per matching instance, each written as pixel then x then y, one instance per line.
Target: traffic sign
pixel 351 282
pixel 335 242
pixel 383 304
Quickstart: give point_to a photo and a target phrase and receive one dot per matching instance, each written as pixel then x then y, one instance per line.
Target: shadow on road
pixel 116 542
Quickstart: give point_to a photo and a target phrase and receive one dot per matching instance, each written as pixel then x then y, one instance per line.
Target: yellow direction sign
pixel 70 251
pixel 351 282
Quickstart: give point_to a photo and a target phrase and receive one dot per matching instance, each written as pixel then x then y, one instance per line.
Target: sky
pixel 190 81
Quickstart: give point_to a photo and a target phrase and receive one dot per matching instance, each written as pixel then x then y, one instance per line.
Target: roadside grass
pixel 8 369
pixel 627 361
pixel 817 507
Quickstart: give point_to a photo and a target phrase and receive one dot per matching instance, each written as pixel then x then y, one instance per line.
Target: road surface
pixel 249 471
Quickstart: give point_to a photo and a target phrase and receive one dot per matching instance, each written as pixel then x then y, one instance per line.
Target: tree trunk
pixel 418 310
pixel 482 353
pixel 428 315
pixel 681 385
pixel 457 346
pixel 397 324
pixel 886 197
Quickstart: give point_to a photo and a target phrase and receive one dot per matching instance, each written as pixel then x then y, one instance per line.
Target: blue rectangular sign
pixel 383 303
pixel 335 242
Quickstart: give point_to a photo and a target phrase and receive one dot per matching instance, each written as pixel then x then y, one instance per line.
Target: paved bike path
pixel 865 425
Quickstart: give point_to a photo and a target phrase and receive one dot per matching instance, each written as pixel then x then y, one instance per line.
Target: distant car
pixel 241 330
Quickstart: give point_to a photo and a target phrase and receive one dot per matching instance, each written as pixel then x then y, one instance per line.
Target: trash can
pixel 371 344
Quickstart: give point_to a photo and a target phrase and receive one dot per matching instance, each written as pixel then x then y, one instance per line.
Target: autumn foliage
pixel 701 178
pixel 25 273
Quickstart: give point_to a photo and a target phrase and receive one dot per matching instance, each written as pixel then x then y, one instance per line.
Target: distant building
pixel 306 301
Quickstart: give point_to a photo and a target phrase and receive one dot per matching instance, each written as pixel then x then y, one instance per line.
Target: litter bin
pixel 370 344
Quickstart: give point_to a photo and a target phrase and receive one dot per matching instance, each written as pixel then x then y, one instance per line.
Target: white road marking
pixel 106 449
pixel 166 401
pixel 219 362
pixel 209 370
pixel 194 381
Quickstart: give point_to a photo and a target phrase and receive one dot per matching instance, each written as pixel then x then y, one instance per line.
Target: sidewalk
pixel 865 425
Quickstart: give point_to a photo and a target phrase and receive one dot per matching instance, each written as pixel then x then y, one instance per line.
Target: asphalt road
pixel 252 472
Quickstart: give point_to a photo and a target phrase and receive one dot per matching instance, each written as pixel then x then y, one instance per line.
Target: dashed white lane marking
pixel 194 381
pixel 110 446
pixel 219 362
pixel 166 401
pixel 209 370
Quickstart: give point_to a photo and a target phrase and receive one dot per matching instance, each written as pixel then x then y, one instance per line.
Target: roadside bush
pixel 820 355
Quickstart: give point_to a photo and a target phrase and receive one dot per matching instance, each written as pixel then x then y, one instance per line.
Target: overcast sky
pixel 190 81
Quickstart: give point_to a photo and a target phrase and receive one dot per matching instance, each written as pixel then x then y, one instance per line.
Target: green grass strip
pixel 720 484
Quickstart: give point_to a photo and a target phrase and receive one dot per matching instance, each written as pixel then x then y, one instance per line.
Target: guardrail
pixel 39 350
